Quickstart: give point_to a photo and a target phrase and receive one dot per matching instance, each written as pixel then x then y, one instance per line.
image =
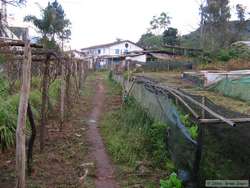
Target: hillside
pixel 192 39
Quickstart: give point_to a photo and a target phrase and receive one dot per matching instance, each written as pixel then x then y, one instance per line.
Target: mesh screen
pixel 225 150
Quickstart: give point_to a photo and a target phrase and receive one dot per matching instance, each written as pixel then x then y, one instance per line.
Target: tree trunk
pixel 22 114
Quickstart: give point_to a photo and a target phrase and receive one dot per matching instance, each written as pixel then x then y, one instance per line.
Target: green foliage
pixel 4 87
pixel 191 127
pixel 224 55
pixel 54 91
pixel 172 182
pixel 156 146
pixel 36 83
pixel 131 136
pixel 110 76
pixel 240 51
pixel 52 24
pixel 9 109
pixel 8 120
pixel 150 41
pixel 236 51
pixel 2 59
pixel 159 23
pixel 193 131
pixel 170 36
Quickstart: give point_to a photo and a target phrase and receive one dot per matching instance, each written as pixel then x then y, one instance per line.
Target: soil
pixel 104 169
pixel 67 154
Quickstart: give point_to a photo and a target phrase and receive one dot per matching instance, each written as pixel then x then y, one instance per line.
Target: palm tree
pixel 52 25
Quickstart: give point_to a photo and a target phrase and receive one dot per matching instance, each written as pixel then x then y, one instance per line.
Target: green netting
pixel 236 88
pixel 160 107
pixel 224 149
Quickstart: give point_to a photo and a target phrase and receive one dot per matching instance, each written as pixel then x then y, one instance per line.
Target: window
pixel 126 45
pixel 99 51
pixel 117 51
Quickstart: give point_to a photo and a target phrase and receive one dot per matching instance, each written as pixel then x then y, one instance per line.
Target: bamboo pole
pixel 22 114
pixel 211 112
pixel 214 121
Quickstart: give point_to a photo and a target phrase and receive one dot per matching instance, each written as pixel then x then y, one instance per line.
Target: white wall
pixel 141 58
pixel 111 50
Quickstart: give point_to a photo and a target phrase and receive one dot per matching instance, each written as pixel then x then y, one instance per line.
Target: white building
pixel 114 52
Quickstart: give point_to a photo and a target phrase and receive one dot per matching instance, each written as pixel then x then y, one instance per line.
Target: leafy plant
pixel 193 131
pixel 8 119
pixel 157 143
pixel 191 127
pixel 172 182
pixel 110 76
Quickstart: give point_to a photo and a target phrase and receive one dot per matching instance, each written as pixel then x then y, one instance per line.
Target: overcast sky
pixel 102 21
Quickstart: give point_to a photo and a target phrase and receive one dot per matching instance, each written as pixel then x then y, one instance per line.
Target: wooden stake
pixel 22 114
pixel 203 111
pixel 62 96
pixel 44 102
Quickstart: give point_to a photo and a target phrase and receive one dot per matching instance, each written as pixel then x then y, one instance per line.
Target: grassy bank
pixel 135 141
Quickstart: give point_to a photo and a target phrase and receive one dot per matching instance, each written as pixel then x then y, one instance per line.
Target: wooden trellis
pixel 53 64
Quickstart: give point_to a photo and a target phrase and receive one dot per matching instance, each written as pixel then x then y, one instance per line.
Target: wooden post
pixel 44 101
pixel 81 80
pixel 62 101
pixel 128 71
pixel 203 111
pixel 22 114
pixel 67 92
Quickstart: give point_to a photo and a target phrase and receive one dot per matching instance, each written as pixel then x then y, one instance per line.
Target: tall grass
pixel 9 108
pixel 131 136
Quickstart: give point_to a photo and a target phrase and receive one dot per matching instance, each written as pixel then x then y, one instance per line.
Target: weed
pixel 157 143
pixel 172 182
pixel 191 127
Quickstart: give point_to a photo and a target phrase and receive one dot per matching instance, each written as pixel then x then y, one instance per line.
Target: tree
pixel 52 25
pixel 160 23
pixel 215 19
pixel 14 2
pixel 170 36
pixel 241 12
pixel 150 41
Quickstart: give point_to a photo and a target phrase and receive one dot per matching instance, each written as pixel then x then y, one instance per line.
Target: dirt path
pixel 104 169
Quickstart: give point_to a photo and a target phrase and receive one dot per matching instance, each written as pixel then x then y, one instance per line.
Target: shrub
pixel 54 91
pixel 8 120
pixel 224 55
pixel 36 82
pixel 157 146
pixel 9 114
pixel 132 135
pixel 3 87
pixel 191 127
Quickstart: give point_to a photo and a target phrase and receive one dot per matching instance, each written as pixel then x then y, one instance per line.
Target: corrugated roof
pixel 109 44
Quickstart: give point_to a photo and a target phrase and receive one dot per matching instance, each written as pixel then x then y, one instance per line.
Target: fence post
pixel 22 114
pixel 62 101
pixel 45 85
